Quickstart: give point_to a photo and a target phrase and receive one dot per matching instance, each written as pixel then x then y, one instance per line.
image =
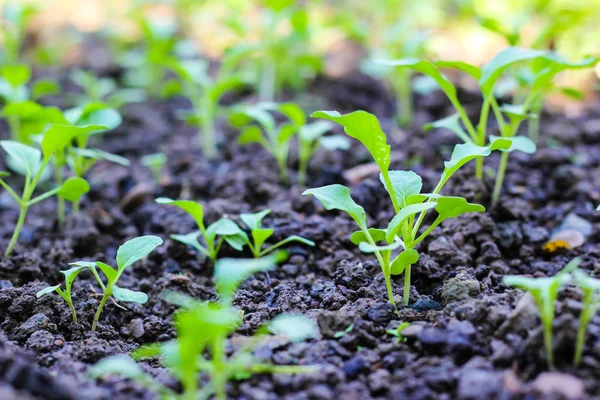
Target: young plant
pixel 15 20
pixel 259 235
pixel 398 331
pixel 32 163
pixel 65 293
pixel 545 66
pixel 103 90
pixel 204 92
pixel 131 251
pixel 545 291
pixel 155 162
pixel 404 189
pixel 591 300
pixel 201 343
pixel 213 235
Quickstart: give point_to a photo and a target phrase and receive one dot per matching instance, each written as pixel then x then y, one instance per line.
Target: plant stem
pixel 388 280
pixel 73 313
pixel 60 205
pixel 267 81
pixel 533 129
pixel 218 360
pixel 500 177
pixel 100 308
pixel 406 294
pixel 208 134
pixel 17 231
pixel 283 173
pixel 583 324
pixel 404 102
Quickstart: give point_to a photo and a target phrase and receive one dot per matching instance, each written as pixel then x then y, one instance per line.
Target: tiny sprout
pixel 340 334
pixel 398 331
pixel 97 90
pixel 65 293
pixel 545 292
pixel 259 235
pixel 127 254
pixel 591 300
pixel 155 162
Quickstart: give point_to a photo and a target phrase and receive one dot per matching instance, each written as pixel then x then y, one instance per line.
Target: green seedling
pixel 103 90
pixel 131 251
pixel 204 92
pixel 340 334
pixel 32 163
pixel 404 189
pixel 545 66
pixel 591 300
pixel 259 235
pixel 201 343
pixel 155 162
pixel 545 291
pixel 25 117
pixel 398 331
pixel 16 17
pixel 213 236
pixel 65 293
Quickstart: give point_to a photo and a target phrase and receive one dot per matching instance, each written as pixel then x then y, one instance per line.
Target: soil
pixel 470 336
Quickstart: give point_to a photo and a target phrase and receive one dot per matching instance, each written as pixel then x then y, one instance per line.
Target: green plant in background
pixel 398 331
pixel 213 235
pixel 155 162
pixel 25 117
pixel 545 65
pixel 65 293
pixel 204 92
pixel 103 90
pixel 545 291
pixel 16 17
pixel 259 235
pixel 591 300
pixel 201 343
pixel 32 163
pixel 404 189
pixel 131 251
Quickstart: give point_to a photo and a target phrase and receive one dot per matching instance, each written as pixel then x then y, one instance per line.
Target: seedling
pixel 131 251
pixel 204 92
pixel 213 236
pixel 545 291
pixel 404 189
pixel 398 331
pixel 202 329
pixel 65 293
pixel 545 66
pixel 103 90
pixel 340 334
pixel 591 300
pixel 155 162
pixel 32 163
pixel 15 20
pixel 259 235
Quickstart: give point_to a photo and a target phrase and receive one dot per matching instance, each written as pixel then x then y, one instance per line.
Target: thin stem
pixel 283 173
pixel 100 308
pixel 406 295
pixel 43 196
pixel 73 313
pixel 17 232
pixel 584 320
pixel 60 205
pixel 388 281
pixel 500 177
pixel 404 102
pixel 218 374
pixel 10 191
pixel 533 128
pixel 208 133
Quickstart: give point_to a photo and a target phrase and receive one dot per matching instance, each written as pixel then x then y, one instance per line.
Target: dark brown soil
pixel 470 336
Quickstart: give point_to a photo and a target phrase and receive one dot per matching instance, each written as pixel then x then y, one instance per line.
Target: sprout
pixel 65 293
pixel 591 300
pixel 155 162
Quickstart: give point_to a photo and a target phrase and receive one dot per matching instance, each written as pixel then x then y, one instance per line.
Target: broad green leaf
pixel 16 75
pixel 231 272
pixel 463 153
pixel 23 109
pixel 244 115
pixel 407 257
pixel 260 236
pixel 254 220
pixel 45 291
pixel 313 131
pixel 73 188
pixel 337 197
pixel 191 239
pixel 225 227
pixel 70 276
pixel 59 136
pixel 237 241
pixel 120 365
pixel 293 112
pixel 404 185
pixel 586 282
pixel 286 132
pixel 107 119
pixel 517 143
pixel 110 273
pixel 136 249
pixel 44 87
pixel 403 215
pixel 295 327
pixel 451 207
pixel 251 134
pixel 467 68
pixel 516 112
pixel 85 264
pixel 451 123
pixel 96 154
pixel 372 248
pixel 28 158
pixel 129 296
pixel 334 142
pixel 293 238
pixel 376 234
pixel 365 128
pixel 191 207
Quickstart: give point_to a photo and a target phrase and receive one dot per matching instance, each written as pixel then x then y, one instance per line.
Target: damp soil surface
pixel 470 337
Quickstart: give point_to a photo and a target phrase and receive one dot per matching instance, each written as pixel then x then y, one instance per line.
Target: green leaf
pixel 136 249
pixel 26 157
pixel 73 188
pixel 110 273
pixel 231 272
pixel 225 227
pixel 407 257
pixel 191 207
pixel 470 69
pixel 70 276
pixel 129 296
pixel 45 291
pixel 403 215
pixel 96 154
pixel 372 248
pixel 254 220
pixel 59 136
pixel 260 236
pixel 121 365
pixel 452 123
pixel 16 75
pixel 463 153
pixel 376 234
pixel 295 327
pixel 334 142
pixel 404 184
pixel 237 241
pixel 517 143
pixel 516 112
pixel 44 87
pixel 337 197
pixel 293 112
pixel 452 207
pixel 251 134
pixel 191 239
pixel 365 128
pixel 313 131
